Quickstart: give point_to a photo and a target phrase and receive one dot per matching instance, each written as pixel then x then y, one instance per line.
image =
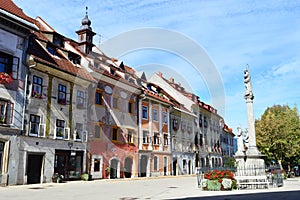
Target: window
pixel 200 120
pixel 156 139
pixel 96 165
pixel 145 112
pixel 165 117
pixel 60 125
pixel 62 94
pixel 6 112
pixel 34 124
pixel 115 133
pixel 51 49
pixel 146 138
pixel 175 124
pixel 155 115
pixel 130 136
pixel 98 130
pixel 9 65
pixel 99 98
pixel 80 99
pixel 174 144
pixel 155 163
pixel 116 102
pixel 37 87
pixel 112 71
pixel 130 107
pixel 196 140
pixel 205 122
pixel 78 131
pixel 166 139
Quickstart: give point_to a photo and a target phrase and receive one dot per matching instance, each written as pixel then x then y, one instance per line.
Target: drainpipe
pixel 25 97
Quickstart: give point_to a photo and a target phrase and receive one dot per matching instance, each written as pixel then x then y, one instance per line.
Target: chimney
pixel 160 74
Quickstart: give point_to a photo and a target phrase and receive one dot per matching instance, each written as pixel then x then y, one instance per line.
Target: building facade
pixel 15 29
pixel 67 109
pixel 154 132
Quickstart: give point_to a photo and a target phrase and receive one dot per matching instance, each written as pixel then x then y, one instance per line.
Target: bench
pixel 251 181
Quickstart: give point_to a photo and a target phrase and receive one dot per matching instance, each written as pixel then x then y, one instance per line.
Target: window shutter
pixel 29 131
pixel 42 129
pixel 10 112
pixel 68 99
pixel 15 67
pixel 84 136
pixel 55 132
pixel 67 133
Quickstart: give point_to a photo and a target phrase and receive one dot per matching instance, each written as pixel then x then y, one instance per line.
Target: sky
pixel 262 35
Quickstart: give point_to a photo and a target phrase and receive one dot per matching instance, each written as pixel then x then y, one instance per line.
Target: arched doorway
pixel 143 167
pixel 128 167
pixel 113 168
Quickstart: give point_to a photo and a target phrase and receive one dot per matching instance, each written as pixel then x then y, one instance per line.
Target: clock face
pixel 123 94
pixel 108 89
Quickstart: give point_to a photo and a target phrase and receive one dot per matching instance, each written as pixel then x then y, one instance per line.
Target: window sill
pixel 33 134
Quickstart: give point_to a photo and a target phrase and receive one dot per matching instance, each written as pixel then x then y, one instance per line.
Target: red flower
pixel 5 78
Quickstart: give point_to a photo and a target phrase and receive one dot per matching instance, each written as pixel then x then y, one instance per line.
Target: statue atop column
pixel 250 160
pixel 247 81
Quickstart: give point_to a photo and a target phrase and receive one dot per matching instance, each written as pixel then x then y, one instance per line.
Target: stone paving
pixel 182 187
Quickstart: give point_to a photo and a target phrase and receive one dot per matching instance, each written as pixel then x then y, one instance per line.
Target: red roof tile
pixel 11 7
pixel 157 96
pixel 60 63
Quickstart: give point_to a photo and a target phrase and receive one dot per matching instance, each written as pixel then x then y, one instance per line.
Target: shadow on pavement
pixel 288 195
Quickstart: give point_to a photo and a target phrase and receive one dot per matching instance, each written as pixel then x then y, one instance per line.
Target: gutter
pixel 23 22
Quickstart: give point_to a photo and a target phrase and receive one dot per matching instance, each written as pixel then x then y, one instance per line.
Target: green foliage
pixel 213 185
pixel 85 177
pixel 278 133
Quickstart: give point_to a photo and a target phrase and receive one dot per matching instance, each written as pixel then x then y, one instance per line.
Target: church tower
pixel 85 35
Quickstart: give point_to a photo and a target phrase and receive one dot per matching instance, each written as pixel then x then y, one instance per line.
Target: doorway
pixel 165 166
pixel 143 168
pixel 128 167
pixel 34 168
pixel 113 168
pixel 174 167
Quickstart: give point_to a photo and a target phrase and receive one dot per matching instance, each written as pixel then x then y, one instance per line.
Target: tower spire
pixel 85 34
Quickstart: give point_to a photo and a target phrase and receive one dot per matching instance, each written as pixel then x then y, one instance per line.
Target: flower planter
pixel 218 180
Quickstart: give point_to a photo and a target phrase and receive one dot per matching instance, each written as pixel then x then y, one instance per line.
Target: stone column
pixel 252 149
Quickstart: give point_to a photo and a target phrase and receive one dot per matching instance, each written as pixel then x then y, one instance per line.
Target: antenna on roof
pixel 100 37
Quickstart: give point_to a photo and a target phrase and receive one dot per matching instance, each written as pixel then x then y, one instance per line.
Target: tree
pixel 278 134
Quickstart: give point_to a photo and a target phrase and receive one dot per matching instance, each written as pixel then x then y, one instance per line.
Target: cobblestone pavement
pixel 182 187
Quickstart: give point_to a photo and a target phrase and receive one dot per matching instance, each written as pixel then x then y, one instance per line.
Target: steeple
pixel 85 34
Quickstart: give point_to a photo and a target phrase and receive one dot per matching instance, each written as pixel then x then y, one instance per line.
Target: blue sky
pixel 263 34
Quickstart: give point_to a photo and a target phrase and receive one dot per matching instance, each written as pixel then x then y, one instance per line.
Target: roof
pixel 59 62
pixel 11 7
pixel 193 97
pixel 157 96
